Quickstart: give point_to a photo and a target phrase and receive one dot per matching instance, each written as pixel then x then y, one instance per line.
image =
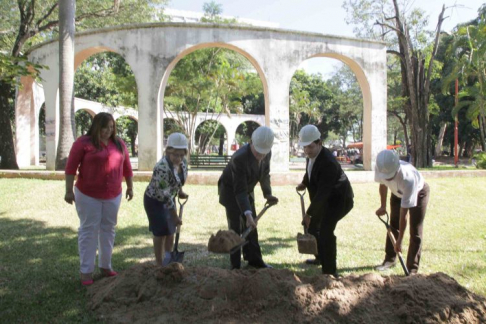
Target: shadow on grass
pixel 39 272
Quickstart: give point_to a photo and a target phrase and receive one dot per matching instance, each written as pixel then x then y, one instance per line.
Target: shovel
pixel 306 243
pixel 249 229
pixel 392 239
pixel 175 255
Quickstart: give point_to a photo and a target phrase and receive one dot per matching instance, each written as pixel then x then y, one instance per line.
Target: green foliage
pixel 468 51
pixel 244 131
pixel 108 79
pixel 207 134
pixel 480 160
pixel 212 13
pixel 211 80
pixel 11 68
pixel 127 129
pixel 83 122
pixel 310 98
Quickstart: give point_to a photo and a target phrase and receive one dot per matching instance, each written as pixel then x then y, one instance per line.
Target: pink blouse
pixel 100 171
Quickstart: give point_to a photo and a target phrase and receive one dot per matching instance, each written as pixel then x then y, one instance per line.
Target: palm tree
pixel 67 128
pixel 469 48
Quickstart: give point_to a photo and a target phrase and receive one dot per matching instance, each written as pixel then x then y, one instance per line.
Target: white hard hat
pixel 387 164
pixel 177 141
pixel 308 134
pixel 262 139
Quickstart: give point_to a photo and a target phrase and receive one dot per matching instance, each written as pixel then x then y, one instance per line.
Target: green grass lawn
pixel 39 279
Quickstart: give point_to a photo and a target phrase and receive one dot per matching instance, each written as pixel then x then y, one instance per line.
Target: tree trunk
pixel 416 86
pixel 66 81
pixel 221 145
pixel 481 133
pixel 7 148
pixel 460 149
pixel 440 140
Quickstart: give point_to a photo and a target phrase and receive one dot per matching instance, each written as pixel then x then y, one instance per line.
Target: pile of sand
pixel 146 293
pixel 224 241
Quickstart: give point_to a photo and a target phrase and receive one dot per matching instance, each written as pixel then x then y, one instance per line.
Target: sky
pixel 326 17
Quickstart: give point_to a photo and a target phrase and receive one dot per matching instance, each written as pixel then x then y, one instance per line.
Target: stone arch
pixel 245 121
pixel 150 48
pixel 78 115
pixel 91 112
pixel 210 120
pixel 194 48
pixel 364 84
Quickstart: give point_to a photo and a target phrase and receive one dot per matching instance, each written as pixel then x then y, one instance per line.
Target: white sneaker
pixel 386 265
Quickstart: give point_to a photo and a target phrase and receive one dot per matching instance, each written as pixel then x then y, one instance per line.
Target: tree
pixel 416 62
pixel 346 110
pixel 310 98
pixel 212 13
pixel 108 79
pixel 83 122
pixel 127 129
pixel 212 10
pixel 469 51
pixel 67 9
pixel 210 81
pixel 29 22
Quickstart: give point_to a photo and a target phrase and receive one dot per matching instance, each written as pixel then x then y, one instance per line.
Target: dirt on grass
pixel 147 293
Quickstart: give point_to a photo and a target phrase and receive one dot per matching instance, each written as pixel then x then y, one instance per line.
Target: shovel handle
pixel 249 229
pixel 394 242
pixel 302 207
pixel 181 209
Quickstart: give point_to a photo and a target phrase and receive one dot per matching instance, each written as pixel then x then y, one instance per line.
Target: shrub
pixel 480 160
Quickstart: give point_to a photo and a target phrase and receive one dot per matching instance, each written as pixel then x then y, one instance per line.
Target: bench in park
pixel 209 161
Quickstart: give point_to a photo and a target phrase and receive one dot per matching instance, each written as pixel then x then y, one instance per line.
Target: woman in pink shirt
pixel 101 159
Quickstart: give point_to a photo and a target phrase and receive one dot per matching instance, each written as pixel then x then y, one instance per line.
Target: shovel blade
pixel 176 256
pixel 307 244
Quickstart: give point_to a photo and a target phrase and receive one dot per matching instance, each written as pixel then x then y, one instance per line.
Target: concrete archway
pixel 150 49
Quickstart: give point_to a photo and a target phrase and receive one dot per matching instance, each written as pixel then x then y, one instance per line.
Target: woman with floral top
pixel 167 180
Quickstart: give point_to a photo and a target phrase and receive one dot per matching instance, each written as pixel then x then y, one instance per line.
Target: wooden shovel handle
pixel 302 207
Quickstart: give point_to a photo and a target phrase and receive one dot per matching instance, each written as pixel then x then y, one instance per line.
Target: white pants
pixel 97 221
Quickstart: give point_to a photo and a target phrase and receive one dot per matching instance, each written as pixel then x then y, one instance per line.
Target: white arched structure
pixel 230 123
pixel 152 51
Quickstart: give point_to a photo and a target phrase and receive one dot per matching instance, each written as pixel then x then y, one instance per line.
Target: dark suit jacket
pixel 329 188
pixel 240 177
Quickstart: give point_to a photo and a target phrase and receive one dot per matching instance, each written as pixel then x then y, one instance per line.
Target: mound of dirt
pixel 147 293
pixel 224 241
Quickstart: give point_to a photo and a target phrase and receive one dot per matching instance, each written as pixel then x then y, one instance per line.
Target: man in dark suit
pixel 248 166
pixel 330 194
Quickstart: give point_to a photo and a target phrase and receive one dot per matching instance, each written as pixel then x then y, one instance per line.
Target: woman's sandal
pixel 108 272
pixel 86 279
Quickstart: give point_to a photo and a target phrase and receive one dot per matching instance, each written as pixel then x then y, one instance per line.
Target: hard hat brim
pixel 262 150
pixel 179 147
pixel 386 176
pixel 305 143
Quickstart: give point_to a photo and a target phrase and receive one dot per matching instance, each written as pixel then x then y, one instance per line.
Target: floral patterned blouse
pixel 165 183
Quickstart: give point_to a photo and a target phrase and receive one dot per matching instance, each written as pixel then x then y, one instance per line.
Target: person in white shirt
pixel 409 196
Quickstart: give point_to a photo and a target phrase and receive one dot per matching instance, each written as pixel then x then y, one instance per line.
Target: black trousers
pixel 251 251
pixel 417 215
pixel 322 227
